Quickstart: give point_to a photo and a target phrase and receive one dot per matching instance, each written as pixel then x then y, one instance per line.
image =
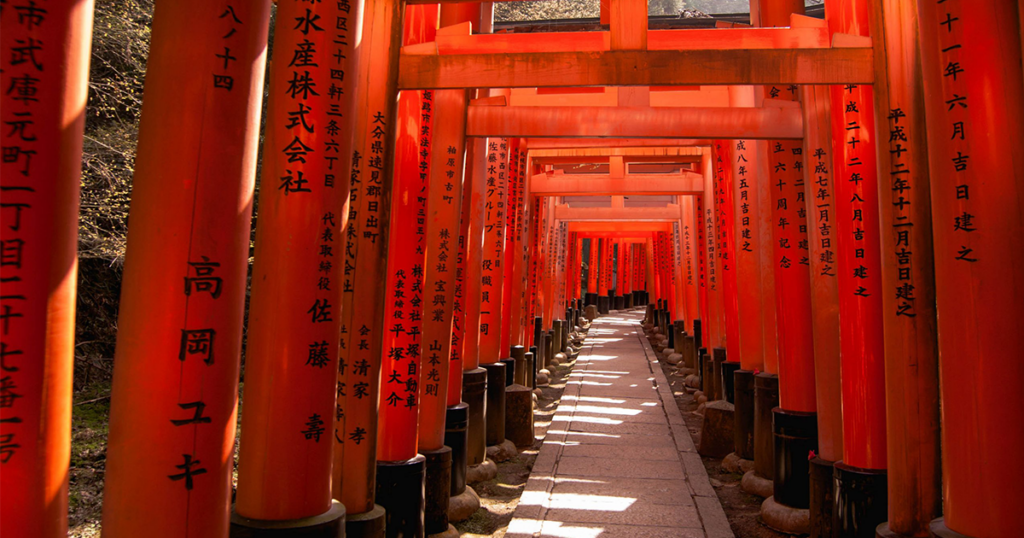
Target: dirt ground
pixel 500 496
pixel 742 509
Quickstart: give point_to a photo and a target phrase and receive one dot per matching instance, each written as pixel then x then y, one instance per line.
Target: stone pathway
pixel 617 460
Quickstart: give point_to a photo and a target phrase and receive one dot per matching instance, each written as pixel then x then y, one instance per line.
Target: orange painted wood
pixel 512 211
pixel 747 207
pixel 676 251
pixel 976 176
pixel 476 169
pixel 726 244
pixel 791 262
pixel 603 266
pixel 638 68
pixel 444 208
pixel 911 353
pixel 286 447
pixel 602 185
pixel 461 285
pixel 669 40
pixel 701 223
pixel 45 48
pixel 373 136
pixel 634 122
pixel 785 255
pixel 492 274
pixel 689 266
pixel 821 233
pixel 860 285
pixel 518 255
pixel 627 24
pixel 403 372
pixel 592 264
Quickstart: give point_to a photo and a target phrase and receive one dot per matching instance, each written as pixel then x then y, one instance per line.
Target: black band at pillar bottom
pixel 495 421
pixel 456 420
pixel 400 490
pixel 861 501
pixel 437 489
pixel 743 423
pixel 796 437
pixel 330 524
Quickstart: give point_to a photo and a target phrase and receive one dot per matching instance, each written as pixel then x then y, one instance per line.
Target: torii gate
pixel 937 244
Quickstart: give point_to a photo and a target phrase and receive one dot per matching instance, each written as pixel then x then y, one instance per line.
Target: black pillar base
pixel 602 304
pixel 510 370
pixel 796 436
pixel 671 342
pixel 627 301
pixel 519 375
pixel 330 524
pixel 591 299
pixel 939 529
pixel 549 347
pixel 538 329
pixel 744 421
pixel 729 381
pixel 707 376
pixel 366 525
pixel 861 501
pixel 531 367
pixel 766 398
pixel 620 302
pixel 698 339
pixel 495 403
pixel 701 359
pixel 474 394
pixel 438 487
pixel 558 332
pixel 718 383
pixel 822 497
pixel 456 418
pixel 400 490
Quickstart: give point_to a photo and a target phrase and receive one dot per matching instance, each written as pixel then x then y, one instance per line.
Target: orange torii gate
pixel 913 243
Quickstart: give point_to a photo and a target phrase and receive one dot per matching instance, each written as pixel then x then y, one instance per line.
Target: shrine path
pixel 618 460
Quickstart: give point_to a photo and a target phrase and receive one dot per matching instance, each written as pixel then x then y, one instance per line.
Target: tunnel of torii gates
pixel 832 235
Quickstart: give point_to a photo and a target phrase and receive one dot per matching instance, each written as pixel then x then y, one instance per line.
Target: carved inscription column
pixel 292 358
pixel 44 50
pixel 971 62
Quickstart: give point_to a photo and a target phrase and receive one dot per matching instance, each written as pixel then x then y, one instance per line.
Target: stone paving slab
pixel 617 460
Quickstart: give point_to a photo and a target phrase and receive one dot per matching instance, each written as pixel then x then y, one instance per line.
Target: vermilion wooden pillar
pixel 444 212
pixel 703 281
pixel 860 477
pixel 911 353
pixel 512 211
pixel 821 201
pixel 285 457
pixel 747 185
pixel 689 252
pixel 677 268
pixel 592 269
pixel 725 240
pixel 408 299
pixel 45 48
pixel 716 303
pixel 492 273
pixel 795 424
pixel 491 277
pixel 373 134
pixel 518 256
pixel 971 62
